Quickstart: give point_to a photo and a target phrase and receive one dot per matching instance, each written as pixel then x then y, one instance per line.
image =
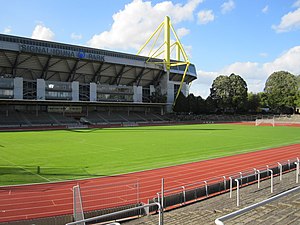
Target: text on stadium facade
pixel 61 52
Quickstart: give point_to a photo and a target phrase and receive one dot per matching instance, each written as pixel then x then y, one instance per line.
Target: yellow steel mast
pixel 167 26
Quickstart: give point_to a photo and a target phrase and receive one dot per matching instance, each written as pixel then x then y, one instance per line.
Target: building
pixel 36 72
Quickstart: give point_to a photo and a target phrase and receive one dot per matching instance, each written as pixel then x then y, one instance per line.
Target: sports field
pixel 42 156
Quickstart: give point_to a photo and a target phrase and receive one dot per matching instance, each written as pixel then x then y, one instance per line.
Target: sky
pixel 250 38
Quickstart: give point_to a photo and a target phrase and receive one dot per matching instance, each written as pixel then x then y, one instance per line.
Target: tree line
pixel 229 94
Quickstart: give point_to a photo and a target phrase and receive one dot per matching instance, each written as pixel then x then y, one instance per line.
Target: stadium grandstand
pixel 44 82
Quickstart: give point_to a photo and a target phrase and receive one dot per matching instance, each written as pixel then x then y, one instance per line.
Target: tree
pixel 281 89
pixel 210 105
pixel 193 103
pixel 220 92
pixel 181 104
pixel 253 102
pixel 201 105
pixel 238 92
pixel 229 93
pixel 297 100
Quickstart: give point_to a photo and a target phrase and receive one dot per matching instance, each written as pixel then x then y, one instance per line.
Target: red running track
pixel 52 199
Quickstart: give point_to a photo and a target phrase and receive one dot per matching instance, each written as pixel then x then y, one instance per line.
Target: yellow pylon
pixel 167 25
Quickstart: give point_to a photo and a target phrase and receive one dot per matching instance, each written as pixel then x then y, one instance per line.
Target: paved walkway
pixel 285 210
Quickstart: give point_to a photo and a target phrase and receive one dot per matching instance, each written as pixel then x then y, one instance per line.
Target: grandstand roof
pixel 37 59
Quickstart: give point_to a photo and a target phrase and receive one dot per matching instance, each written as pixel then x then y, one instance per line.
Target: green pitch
pixel 42 156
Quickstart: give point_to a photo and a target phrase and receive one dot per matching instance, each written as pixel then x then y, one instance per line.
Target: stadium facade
pixel 50 74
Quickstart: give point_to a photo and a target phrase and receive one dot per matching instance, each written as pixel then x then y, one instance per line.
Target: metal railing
pixel 160 219
pixel 250 176
pixel 220 220
pixel 238 177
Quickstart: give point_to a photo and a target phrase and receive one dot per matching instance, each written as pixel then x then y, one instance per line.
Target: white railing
pixel 220 220
pixel 160 220
pixel 238 177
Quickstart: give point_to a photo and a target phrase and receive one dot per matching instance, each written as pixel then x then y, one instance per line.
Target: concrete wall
pixel 75 91
pixel 40 92
pixel 93 92
pixel 18 88
pixel 137 93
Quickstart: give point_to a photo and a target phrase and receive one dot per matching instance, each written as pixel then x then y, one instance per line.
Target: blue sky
pixel 250 38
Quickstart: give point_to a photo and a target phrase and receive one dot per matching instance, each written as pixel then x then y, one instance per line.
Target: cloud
pixel 181 32
pixel 288 61
pixel 202 85
pixel 76 37
pixel 255 74
pixel 263 54
pixel 289 22
pixel 265 9
pixel 297 4
pixel 133 25
pixel 7 30
pixel 42 32
pixel 205 16
pixel 227 6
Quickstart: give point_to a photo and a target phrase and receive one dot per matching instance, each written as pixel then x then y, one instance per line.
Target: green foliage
pixel 254 102
pixel 297 101
pixel 181 104
pixel 281 89
pixel 190 104
pixel 229 93
pixel 238 92
pixel 65 154
pixel 220 91
pixel 298 80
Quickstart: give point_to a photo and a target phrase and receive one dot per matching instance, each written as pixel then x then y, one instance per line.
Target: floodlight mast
pixel 167 25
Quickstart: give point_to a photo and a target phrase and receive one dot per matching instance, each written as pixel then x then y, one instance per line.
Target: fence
pixel 110 195
pixel 126 194
pixel 220 221
pixel 199 190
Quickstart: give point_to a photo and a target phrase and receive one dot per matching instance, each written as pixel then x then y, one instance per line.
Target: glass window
pixel 4 93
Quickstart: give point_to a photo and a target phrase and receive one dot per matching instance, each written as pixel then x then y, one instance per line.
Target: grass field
pixel 79 154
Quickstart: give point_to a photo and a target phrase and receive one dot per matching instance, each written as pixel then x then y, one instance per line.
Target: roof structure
pixel 36 59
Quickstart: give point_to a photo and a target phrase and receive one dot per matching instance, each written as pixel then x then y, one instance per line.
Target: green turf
pixel 65 154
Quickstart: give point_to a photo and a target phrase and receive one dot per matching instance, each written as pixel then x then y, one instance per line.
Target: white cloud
pixel 75 36
pixel 297 4
pixel 133 25
pixel 181 32
pixel 265 9
pixel 289 22
pixel 263 54
pixel 255 74
pixel 202 85
pixel 7 30
pixel 227 6
pixel 205 16
pixel 288 61
pixel 42 33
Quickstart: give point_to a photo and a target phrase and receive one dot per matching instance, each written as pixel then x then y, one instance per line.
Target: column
pixel 40 89
pixel 137 93
pixel 75 91
pixel 93 92
pixel 18 88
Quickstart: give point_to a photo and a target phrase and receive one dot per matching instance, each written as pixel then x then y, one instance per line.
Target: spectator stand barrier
pixel 185 194
pixel 220 220
pixel 96 218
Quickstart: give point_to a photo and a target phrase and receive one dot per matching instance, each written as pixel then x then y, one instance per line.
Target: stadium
pixel 86 138
pixel 40 76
